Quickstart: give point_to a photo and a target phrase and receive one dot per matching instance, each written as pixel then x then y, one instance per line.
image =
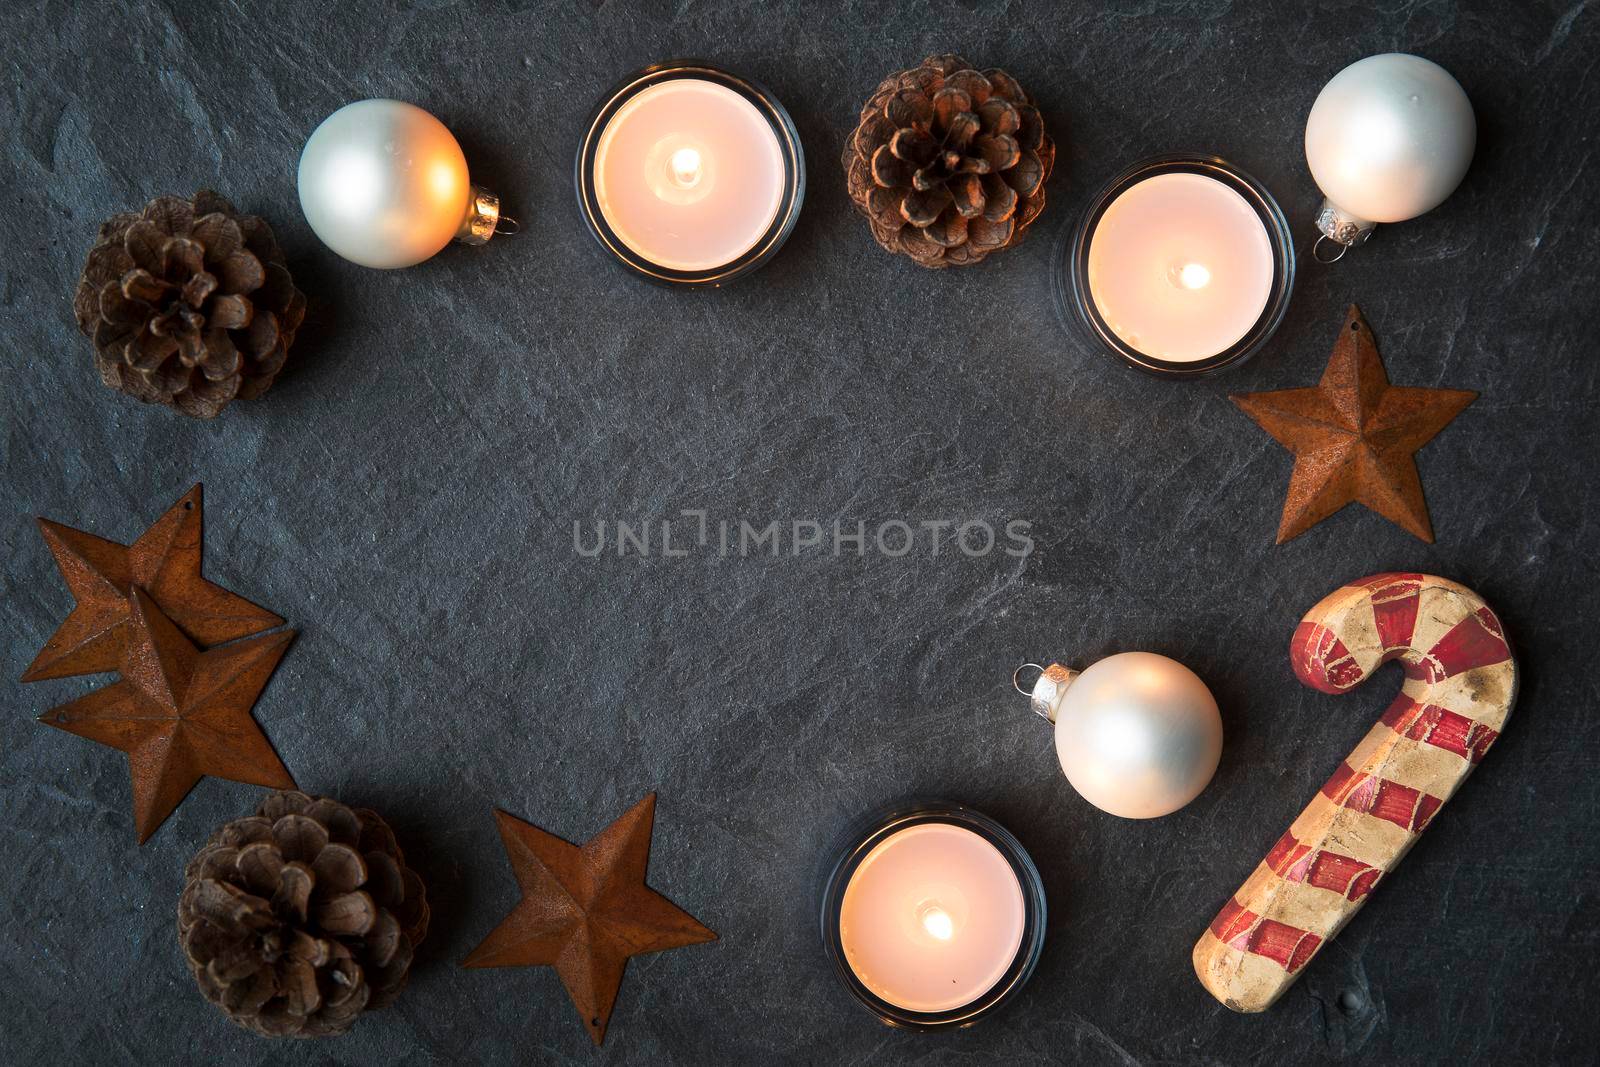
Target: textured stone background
pixel 405 497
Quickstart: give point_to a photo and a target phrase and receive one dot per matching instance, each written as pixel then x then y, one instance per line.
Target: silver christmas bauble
pixel 1138 735
pixel 1388 138
pixel 384 184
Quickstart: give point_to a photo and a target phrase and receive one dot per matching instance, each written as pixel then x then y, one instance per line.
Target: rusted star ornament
pixel 165 562
pixel 180 713
pixel 585 910
pixel 1354 435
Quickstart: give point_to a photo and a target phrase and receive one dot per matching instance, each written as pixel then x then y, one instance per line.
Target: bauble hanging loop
pixel 384 184
pixel 1044 695
pixel 1388 139
pixel 1138 735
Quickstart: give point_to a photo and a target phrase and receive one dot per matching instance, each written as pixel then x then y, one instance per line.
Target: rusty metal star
pixel 1354 435
pixel 164 561
pixel 180 713
pixel 585 910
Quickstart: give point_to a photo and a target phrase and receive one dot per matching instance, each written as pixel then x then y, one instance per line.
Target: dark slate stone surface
pixel 406 498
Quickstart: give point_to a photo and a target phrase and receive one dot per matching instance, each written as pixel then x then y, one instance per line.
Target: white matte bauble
pixel 384 184
pixel 1138 735
pixel 1390 137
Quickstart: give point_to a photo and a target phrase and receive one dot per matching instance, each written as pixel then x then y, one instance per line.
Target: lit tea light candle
pixel 1182 265
pixel 690 174
pixel 934 917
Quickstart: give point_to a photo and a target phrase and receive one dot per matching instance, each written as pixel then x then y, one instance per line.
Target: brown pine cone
pixel 949 164
pixel 188 304
pixel 297 919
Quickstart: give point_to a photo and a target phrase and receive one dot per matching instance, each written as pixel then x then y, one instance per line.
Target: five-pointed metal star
pixel 1353 436
pixel 180 713
pixel 164 561
pixel 585 910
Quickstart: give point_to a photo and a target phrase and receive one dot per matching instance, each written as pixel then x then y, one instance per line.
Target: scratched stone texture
pixel 406 497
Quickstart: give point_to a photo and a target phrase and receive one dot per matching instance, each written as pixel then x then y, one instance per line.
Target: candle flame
pixel 1194 276
pixel 938 923
pixel 685 164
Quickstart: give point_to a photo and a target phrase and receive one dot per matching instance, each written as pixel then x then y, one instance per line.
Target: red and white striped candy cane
pixel 1460 684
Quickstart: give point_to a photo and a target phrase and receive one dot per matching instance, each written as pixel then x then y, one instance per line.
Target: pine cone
pixel 297 919
pixel 189 304
pixel 949 164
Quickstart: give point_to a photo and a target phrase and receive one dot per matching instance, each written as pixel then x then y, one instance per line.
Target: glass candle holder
pixel 1182 265
pixel 933 916
pixel 690 174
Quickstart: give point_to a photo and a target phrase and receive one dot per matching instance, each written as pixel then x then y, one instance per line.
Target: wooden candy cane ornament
pixel 1460 684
